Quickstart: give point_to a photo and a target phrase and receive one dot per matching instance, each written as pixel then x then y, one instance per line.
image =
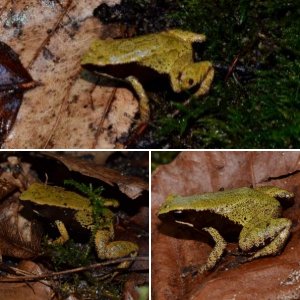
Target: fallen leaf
pixel 70 109
pixel 14 79
pixel 19 237
pixel 6 188
pixel 129 185
pixel 40 290
pixel 200 172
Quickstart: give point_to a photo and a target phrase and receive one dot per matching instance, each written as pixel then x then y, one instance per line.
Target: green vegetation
pixel 162 157
pixel 258 105
pixel 69 254
pixel 94 195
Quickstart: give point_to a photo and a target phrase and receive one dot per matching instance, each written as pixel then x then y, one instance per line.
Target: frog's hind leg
pixel 214 255
pixel 276 230
pixel 143 99
pixel 116 249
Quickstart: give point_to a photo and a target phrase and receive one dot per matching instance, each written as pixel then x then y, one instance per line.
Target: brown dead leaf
pixel 18 237
pixel 198 172
pixel 6 188
pixel 28 290
pixel 14 79
pixel 129 185
pixel 69 109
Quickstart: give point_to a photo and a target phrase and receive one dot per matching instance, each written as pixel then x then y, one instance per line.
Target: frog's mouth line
pixel 185 223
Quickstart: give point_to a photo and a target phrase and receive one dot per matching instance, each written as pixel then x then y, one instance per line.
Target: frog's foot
pixel 143 99
pixel 64 236
pixel 116 249
pixel 190 271
pixel 275 230
pixel 214 255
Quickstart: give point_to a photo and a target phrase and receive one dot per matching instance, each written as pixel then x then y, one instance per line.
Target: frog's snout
pixel 286 195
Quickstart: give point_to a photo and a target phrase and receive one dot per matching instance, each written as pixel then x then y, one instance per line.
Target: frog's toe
pixel 190 270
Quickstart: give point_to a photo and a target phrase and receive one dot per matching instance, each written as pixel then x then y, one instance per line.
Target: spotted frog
pixel 252 214
pixel 78 212
pixel 140 59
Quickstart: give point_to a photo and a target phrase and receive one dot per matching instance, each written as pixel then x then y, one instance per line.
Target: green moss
pixel 70 254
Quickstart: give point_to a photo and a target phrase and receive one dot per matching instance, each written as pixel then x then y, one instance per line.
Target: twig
pixel 104 116
pixel 75 270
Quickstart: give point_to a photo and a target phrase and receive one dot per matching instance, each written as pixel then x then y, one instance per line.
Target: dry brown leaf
pixel 6 188
pixel 27 290
pixel 66 111
pixel 129 185
pixel 198 172
pixel 18 237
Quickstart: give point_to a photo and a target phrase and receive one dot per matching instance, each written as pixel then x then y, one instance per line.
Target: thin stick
pixel 75 270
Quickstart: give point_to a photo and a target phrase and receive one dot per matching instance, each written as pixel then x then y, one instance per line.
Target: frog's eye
pixel 187 78
pixel 188 82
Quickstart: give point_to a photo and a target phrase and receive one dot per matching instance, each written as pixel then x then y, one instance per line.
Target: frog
pixel 60 205
pixel 141 59
pixel 251 215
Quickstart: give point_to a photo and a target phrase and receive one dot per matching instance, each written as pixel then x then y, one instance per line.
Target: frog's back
pixel 156 51
pixel 42 194
pixel 239 205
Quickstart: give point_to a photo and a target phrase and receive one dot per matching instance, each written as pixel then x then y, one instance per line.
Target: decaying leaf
pixel 40 290
pixel 200 172
pixel 14 79
pixel 72 109
pixel 6 188
pixel 19 237
pixel 129 185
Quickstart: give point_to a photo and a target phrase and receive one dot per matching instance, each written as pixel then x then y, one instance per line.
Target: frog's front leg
pixel 214 255
pixel 107 249
pixel 275 230
pixel 217 251
pixel 64 236
pixel 143 98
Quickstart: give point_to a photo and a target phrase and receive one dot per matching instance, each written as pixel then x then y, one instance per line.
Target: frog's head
pixel 283 196
pixel 167 205
pixel 196 74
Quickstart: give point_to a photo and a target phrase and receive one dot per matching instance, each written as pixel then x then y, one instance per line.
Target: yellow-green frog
pixel 141 59
pixel 69 209
pixel 252 214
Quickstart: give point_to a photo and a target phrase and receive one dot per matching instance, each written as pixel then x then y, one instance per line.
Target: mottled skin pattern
pixel 256 211
pixel 168 53
pixel 45 195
